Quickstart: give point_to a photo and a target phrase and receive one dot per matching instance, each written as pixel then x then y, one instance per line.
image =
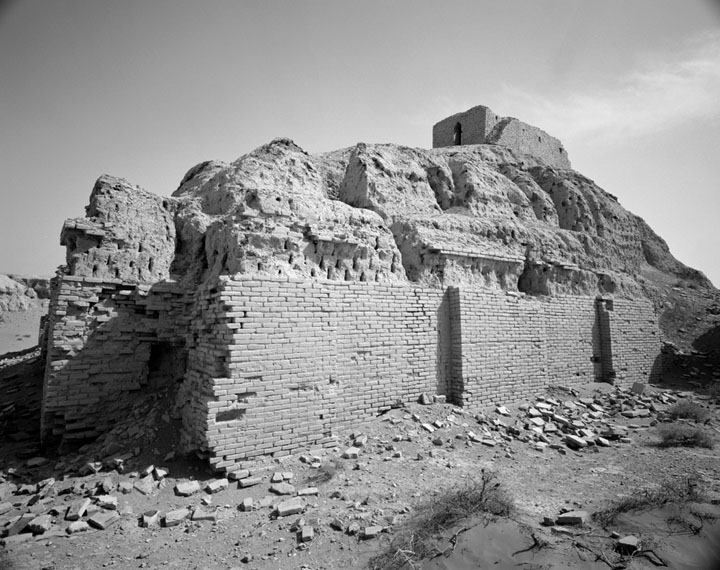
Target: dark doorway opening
pixel 457 134
pixel 166 365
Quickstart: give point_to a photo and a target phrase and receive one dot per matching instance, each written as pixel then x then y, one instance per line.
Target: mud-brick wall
pixel 635 340
pixel 305 357
pixel 102 336
pixel 515 345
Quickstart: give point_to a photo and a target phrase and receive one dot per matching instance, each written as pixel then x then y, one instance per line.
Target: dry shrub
pixel 689 410
pixel 415 540
pixel 681 435
pixel 671 492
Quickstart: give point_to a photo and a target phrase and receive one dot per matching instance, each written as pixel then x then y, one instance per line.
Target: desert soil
pixel 400 464
pixel 19 329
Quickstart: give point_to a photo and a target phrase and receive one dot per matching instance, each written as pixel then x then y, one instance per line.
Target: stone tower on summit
pixel 480 125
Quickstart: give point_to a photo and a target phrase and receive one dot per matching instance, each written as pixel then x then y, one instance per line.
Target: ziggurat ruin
pixel 283 296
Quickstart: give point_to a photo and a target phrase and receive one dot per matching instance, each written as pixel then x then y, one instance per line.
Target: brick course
pixel 277 365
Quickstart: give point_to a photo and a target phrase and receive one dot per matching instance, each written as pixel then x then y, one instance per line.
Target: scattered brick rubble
pixel 88 499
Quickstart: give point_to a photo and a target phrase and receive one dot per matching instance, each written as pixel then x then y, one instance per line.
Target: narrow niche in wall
pixel 166 365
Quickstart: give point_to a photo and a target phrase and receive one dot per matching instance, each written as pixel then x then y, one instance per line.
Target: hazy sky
pixel 145 89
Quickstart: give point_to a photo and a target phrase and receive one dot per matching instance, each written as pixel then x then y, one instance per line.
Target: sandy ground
pixel 19 330
pixel 400 465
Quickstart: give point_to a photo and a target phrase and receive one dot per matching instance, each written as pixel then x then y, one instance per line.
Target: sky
pixel 146 89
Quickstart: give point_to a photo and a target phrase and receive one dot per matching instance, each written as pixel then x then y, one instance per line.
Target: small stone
pixel 306 534
pixel 425 399
pixel 20 524
pixel 104 519
pixel 548 521
pixel 308 491
pixel 125 487
pixel 249 482
pixel 371 531
pixel 351 453
pixel 216 486
pixel 145 485
pixel 502 410
pixel 337 524
pixel 107 485
pixel 427 427
pixel 638 388
pixel 291 507
pixel 360 441
pixel 439 398
pixel 174 518
pixel 40 524
pixel 159 473
pixel 282 489
pixel 575 442
pixel 187 488
pixel 602 442
pixel 91 468
pixel 108 502
pixel 276 477
pixel 240 474
pixel 76 509
pixel 77 526
pixel 246 505
pixel 572 518
pixel 150 518
pixel 200 514
pixel 627 544
pixel 5 508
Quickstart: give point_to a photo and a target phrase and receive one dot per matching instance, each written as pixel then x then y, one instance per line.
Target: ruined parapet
pixel 127 234
pixel 480 125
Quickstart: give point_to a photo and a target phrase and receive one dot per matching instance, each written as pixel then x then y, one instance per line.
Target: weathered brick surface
pixel 514 345
pixel 636 342
pixel 277 365
pixel 305 357
pixel 99 349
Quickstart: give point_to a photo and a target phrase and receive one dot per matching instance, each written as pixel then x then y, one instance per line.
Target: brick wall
pixel 306 357
pixel 270 366
pixel 514 345
pixel 475 124
pixel 100 340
